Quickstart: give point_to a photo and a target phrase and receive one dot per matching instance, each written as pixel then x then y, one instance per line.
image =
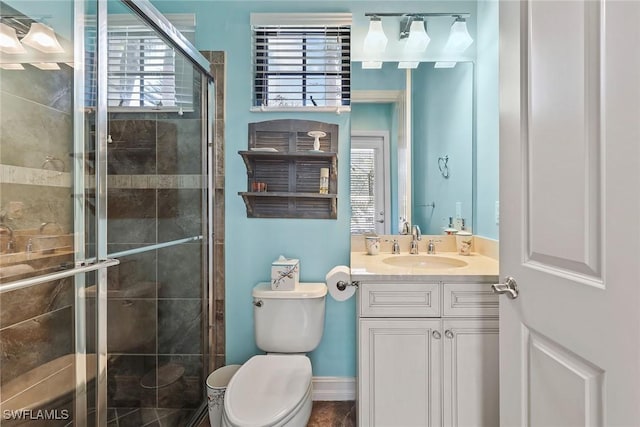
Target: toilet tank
pixel 289 321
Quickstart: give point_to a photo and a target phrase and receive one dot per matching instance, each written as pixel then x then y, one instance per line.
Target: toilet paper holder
pixel 342 285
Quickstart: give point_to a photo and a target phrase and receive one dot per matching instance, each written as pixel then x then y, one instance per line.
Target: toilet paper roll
pixel 338 274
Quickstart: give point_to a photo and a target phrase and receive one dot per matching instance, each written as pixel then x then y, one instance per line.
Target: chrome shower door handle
pixel 509 287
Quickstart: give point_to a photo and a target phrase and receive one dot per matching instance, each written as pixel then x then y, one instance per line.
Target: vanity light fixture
pixel 445 64
pixel 11 66
pixel 417 39
pixel 416 42
pixel 9 42
pixel 413 29
pixel 371 65
pixel 408 64
pixel 42 38
pixel 459 38
pixel 46 65
pixel 375 42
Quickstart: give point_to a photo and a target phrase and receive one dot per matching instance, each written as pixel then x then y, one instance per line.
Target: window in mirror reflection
pixel 369 185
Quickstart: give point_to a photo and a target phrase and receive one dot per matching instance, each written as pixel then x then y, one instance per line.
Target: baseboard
pixel 334 388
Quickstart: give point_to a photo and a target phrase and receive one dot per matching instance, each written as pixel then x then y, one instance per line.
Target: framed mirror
pixel 424 119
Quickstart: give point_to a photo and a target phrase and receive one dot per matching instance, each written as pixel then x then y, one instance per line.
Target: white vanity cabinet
pixel 428 355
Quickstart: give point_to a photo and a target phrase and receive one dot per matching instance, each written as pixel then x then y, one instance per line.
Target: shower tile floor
pixel 326 414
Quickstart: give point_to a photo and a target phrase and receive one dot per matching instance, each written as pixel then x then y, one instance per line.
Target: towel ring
pixel 443 166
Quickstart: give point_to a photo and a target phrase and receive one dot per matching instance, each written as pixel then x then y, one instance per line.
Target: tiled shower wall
pixel 217 333
pixel 156 305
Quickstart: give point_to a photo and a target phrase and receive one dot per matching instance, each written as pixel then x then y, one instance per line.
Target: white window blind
pixel 363 197
pixel 145 72
pixel 301 60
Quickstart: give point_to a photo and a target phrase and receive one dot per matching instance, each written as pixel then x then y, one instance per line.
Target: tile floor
pixel 326 414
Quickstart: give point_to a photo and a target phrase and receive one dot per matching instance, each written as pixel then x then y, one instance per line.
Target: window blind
pixel 298 65
pixel 363 175
pixel 144 71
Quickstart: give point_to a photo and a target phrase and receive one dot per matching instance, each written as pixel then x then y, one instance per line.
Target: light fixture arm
pixel 422 15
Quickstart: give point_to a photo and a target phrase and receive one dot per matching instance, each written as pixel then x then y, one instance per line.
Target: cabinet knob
pixel 436 335
pixel 448 333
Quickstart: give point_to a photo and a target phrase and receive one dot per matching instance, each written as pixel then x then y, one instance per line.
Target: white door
pixel 370 186
pixel 570 209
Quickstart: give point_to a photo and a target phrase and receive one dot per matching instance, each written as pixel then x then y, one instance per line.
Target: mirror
pixel 412 147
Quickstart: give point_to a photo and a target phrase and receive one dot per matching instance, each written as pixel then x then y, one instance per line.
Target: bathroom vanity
pixel 427 339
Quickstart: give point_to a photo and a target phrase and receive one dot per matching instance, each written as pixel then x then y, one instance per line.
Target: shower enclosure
pixel 105 251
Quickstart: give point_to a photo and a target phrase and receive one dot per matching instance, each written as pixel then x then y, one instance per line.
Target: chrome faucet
pixel 395 248
pixel 417 235
pixel 431 247
pixel 29 247
pixel 12 242
pixel 405 227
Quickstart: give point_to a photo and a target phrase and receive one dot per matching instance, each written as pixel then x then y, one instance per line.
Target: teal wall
pixel 251 244
pixel 442 125
pixel 488 138
pixel 370 116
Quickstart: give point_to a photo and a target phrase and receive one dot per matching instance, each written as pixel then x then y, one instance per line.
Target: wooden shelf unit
pixel 292 173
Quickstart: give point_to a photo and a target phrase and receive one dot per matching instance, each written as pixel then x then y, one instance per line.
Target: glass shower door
pixel 48 363
pixel 156 180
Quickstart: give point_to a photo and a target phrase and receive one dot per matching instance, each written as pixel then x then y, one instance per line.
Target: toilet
pixel 274 390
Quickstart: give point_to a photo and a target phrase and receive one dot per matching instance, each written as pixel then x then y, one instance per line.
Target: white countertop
pixel 372 268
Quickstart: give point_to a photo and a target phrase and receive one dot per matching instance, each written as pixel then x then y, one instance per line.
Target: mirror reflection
pixel 412 148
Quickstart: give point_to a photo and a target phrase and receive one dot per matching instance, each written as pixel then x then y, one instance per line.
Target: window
pixel 301 60
pixel 144 72
pixel 370 197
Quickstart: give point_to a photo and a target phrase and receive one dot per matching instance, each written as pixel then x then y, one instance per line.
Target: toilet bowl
pixel 270 391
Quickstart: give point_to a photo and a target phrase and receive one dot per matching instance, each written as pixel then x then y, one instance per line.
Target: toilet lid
pixel 266 389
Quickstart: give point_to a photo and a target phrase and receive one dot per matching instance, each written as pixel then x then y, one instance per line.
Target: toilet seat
pixel 268 390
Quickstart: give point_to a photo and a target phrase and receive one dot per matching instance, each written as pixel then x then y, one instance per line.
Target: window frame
pixel 185 22
pixel 260 71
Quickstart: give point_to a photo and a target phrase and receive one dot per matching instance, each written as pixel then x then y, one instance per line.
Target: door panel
pixel 564 119
pixel 563 389
pixel 569 168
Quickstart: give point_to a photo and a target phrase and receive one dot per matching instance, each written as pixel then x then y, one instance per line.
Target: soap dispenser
pixel 450 229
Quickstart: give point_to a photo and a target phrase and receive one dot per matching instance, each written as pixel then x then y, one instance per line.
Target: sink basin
pixel 424 261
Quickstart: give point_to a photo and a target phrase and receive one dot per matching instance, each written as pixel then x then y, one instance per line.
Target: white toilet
pixel 274 390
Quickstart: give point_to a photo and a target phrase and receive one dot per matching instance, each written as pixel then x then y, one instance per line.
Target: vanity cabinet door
pixel 399 372
pixel 470 364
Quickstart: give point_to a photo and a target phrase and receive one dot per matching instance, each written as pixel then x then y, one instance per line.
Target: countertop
pixel 371 268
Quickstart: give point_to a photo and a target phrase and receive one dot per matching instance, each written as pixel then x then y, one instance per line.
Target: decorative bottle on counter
pixel 324 180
